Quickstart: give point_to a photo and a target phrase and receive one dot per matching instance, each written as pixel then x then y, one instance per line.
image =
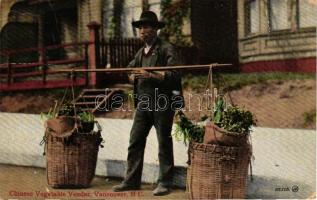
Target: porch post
pixel 93 51
pixel 40 36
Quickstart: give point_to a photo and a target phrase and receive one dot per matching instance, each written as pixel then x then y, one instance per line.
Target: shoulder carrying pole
pixel 138 69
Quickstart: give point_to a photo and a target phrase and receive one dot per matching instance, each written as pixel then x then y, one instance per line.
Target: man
pixel 151 110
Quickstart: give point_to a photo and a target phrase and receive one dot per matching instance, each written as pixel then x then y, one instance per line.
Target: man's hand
pixel 158 75
pixel 135 75
pixel 140 74
pixel 143 74
pixel 154 74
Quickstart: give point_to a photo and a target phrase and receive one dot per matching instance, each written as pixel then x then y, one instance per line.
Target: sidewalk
pixel 30 183
pixel 284 158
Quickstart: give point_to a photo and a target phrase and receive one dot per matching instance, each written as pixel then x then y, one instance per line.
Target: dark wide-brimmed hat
pixel 148 18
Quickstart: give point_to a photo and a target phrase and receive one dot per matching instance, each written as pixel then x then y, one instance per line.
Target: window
pixel 307 13
pixel 252 12
pixel 279 14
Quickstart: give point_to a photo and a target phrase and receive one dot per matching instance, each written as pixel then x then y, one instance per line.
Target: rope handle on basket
pixel 251 175
pixel 209 85
pixel 44 141
pixel 99 130
pixel 98 126
pixel 73 93
pixel 214 91
pixel 251 157
pixel 189 150
pixel 190 175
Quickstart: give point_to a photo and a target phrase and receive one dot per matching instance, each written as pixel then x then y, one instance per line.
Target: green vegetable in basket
pixel 68 109
pixel 187 131
pixel 219 108
pixel 237 120
pixel 232 119
pixel 86 117
pixel 52 113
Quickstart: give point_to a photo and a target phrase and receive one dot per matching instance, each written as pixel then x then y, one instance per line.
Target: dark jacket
pixel 163 54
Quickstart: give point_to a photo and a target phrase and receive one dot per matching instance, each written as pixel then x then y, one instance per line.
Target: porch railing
pixel 118 52
pixel 34 75
pixel 31 68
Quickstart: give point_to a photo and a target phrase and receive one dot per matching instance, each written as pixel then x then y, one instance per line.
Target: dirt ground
pixel 276 104
pixel 30 183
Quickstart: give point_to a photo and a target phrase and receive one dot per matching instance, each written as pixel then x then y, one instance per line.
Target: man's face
pixel 147 33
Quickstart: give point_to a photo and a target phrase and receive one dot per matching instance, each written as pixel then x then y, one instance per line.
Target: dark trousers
pixel 143 121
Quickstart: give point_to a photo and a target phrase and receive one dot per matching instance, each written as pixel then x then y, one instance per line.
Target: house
pixel 277 35
pixel 39 35
pixel 32 23
pixel 254 35
pixel 38 23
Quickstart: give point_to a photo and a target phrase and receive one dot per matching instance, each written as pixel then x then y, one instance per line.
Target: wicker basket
pixel 220 136
pixel 71 162
pixel 217 172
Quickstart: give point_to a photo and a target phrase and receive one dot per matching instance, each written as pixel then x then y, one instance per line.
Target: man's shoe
pixel 124 187
pixel 161 190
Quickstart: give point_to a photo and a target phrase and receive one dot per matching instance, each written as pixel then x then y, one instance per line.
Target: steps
pixel 93 100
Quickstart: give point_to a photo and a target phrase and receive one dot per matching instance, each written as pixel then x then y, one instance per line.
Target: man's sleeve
pixel 174 78
pixel 134 62
pixel 173 58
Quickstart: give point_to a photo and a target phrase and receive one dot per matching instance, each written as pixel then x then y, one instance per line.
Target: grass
pixel 309 117
pixel 228 81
